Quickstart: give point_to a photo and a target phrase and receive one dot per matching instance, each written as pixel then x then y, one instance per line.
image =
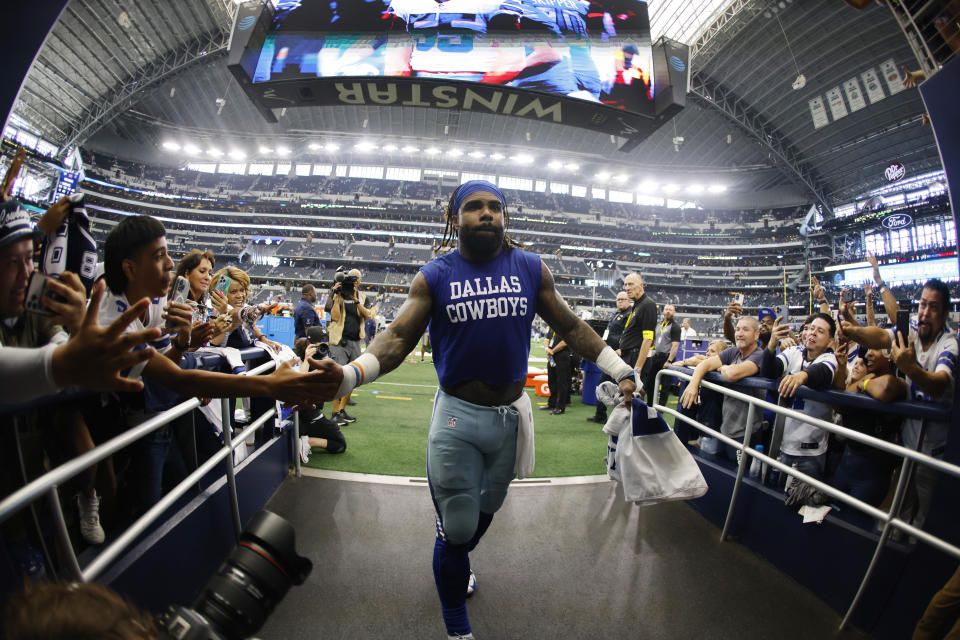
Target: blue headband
pixel 472 186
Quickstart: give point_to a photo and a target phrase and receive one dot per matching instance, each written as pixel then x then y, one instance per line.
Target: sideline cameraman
pixel 347 315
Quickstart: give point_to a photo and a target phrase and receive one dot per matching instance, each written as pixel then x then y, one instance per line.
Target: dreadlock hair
pixel 449 240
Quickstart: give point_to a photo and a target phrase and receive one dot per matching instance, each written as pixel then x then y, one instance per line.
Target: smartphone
pixel 181 288
pixel 903 324
pixel 738 298
pixel 783 312
pixel 223 284
pixel 36 288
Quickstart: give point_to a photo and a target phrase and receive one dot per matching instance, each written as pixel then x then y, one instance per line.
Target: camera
pixel 348 283
pixel 318 335
pixel 237 599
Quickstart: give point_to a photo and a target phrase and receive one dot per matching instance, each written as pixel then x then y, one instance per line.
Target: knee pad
pixel 460 515
pixel 492 499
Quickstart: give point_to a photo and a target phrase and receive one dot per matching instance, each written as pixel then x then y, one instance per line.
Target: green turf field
pixel 393 417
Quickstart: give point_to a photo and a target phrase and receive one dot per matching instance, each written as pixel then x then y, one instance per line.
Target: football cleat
pixel 471 583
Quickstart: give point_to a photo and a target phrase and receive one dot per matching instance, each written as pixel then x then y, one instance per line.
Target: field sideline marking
pixel 379 397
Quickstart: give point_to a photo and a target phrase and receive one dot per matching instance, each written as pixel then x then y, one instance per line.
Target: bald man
pixel 641 324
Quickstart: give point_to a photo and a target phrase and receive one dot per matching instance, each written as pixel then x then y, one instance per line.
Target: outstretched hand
pixel 319 385
pixel 95 357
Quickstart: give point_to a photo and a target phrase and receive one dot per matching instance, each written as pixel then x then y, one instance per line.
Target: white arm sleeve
pixel 27 373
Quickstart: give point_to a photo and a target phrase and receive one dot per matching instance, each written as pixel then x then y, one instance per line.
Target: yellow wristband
pixel 863 387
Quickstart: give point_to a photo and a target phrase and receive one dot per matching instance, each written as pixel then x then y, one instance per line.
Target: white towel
pixel 526 455
pixel 648 459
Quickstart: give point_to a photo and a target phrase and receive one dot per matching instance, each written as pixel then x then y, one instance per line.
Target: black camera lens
pixel 323 350
pixel 254 578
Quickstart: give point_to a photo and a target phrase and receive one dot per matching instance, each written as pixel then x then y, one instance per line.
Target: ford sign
pixel 897 221
pixel 895 172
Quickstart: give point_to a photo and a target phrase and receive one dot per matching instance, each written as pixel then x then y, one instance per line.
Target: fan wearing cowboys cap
pixel 479 301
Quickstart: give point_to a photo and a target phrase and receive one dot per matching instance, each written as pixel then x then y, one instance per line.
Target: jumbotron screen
pixel 594 51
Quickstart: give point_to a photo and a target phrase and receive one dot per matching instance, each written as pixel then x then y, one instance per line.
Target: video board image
pixel 595 51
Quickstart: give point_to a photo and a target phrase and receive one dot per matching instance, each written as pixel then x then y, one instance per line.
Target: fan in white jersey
pixel 813 365
pixel 928 357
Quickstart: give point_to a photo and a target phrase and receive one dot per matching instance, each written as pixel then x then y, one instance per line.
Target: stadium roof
pixel 133 75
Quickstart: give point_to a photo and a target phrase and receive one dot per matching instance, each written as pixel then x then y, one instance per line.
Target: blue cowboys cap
pixel 14 223
pixel 766 312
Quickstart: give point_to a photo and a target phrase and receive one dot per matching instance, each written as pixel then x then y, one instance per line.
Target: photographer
pixel 347 315
pixel 316 430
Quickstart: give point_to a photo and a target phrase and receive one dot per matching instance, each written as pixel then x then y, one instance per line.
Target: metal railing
pixel 888 518
pixel 48 484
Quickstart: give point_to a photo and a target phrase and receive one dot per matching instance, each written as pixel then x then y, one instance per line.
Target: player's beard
pixel 482 240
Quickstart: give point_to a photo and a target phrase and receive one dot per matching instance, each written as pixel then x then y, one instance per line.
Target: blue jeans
pixel 865 475
pixel 810 465
pixel 160 451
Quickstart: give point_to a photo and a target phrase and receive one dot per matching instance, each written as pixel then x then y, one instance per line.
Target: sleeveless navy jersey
pixel 481 316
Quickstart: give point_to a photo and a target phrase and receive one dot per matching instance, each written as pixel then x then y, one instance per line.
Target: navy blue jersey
pixel 481 317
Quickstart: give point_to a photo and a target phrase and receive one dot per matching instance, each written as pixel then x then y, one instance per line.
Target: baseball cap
pixel 765 312
pixel 14 223
pixel 317 334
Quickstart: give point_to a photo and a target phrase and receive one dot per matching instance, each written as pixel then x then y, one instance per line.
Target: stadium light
pixel 313 146
pixel 695 188
pixel 555 164
pixel 191 149
pixel 573 166
pixel 454 153
pixel 265 150
pixel 236 154
pixel 170 145
pixel 603 176
pixel 364 145
pixel 620 178
pixel 717 188
pixel 283 151
pixel 523 158
pixel 410 149
pixel 390 148
pixel 497 156
pixel 214 152
pixel 476 154
pixel 331 146
pixel 432 151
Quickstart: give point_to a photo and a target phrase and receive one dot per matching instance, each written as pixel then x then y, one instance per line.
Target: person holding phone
pixel 812 364
pixel 926 351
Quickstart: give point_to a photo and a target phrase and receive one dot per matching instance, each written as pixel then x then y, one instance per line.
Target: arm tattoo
pixel 400 338
pixel 576 333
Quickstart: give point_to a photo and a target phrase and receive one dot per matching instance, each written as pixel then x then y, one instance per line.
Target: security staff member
pixel 637 337
pixel 559 372
pixel 612 337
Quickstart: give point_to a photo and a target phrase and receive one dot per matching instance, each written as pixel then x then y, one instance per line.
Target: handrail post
pixel 741 467
pixel 226 415
pixel 898 495
pixel 63 536
pixel 296 442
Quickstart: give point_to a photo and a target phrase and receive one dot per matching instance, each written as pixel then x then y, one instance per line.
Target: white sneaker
pixel 457 636
pixel 471 584
pixel 89 508
pixel 305 449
